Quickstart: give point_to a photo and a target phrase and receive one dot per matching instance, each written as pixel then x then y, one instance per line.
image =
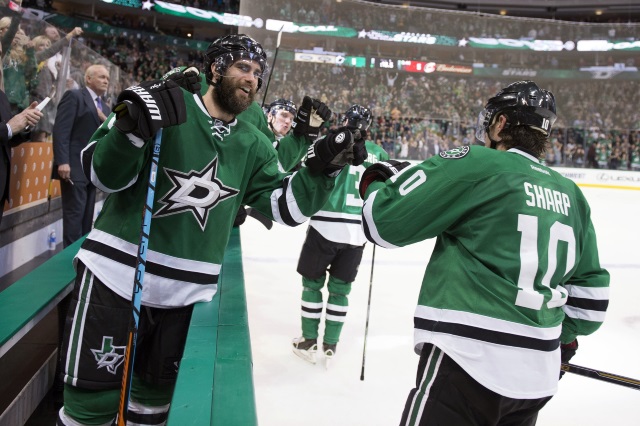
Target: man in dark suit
pixel 80 113
pixel 12 133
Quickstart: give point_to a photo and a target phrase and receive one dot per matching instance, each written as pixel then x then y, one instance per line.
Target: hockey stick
pixel 366 327
pixel 601 375
pixel 136 297
pixel 273 65
pixel 265 221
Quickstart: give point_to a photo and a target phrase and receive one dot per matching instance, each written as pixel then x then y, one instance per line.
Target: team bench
pixel 215 381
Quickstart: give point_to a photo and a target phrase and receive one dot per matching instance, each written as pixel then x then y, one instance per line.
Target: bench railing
pixel 215 380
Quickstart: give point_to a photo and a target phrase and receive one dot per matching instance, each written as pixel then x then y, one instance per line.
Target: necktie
pixel 99 103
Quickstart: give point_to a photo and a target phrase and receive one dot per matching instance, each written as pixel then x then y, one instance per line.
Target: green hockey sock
pixel 337 307
pixel 311 306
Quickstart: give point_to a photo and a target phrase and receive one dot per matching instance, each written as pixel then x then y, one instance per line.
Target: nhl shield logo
pixel 455 153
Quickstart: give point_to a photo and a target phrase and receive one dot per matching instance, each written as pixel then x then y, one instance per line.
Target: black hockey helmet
pixel 524 104
pixel 226 50
pixel 282 104
pixel 358 117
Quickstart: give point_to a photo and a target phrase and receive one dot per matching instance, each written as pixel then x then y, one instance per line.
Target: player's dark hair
pixel 525 137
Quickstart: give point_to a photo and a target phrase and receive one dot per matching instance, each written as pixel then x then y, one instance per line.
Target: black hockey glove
pixel 355 153
pixel 329 154
pixel 311 114
pixel 380 171
pixel 144 109
pixel 359 148
pixel 189 79
pixel 567 351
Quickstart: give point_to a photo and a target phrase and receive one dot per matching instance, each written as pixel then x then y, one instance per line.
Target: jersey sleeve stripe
pixel 588 304
pixel 583 314
pixel 275 210
pixel 288 210
pixel 369 226
pixel 599 293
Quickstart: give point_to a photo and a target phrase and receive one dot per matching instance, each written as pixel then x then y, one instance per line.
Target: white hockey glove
pixel 310 117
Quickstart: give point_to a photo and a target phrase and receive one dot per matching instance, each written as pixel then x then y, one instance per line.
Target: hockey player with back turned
pixel 334 242
pixel 210 163
pixel 514 277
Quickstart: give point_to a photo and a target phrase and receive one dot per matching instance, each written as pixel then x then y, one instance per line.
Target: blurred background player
pixel 334 242
pixel 291 147
pixel 280 116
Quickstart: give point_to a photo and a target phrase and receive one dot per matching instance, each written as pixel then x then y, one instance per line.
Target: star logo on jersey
pixel 109 356
pixel 455 153
pixel 197 192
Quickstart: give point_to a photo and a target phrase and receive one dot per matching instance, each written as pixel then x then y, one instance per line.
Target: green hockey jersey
pixel 340 219
pixel 207 169
pixel 515 268
pixel 291 148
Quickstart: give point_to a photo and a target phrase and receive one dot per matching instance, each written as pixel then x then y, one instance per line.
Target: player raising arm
pixel 210 163
pixel 514 277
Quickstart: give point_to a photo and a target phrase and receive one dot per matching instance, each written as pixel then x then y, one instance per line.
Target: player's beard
pixel 228 99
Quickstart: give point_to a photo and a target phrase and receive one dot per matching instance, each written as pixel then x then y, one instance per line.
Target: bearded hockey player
pixel 334 243
pixel 210 164
pixel 514 277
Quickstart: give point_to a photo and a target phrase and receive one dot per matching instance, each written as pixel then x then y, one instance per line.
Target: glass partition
pixel 39 61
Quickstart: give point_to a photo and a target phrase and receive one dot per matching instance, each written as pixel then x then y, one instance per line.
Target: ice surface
pixel 290 391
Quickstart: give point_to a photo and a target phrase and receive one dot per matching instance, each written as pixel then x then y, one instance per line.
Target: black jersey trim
pixel 588 304
pixel 150 267
pixel 367 233
pixel 285 214
pixel 485 335
pixel 87 158
pixel 336 219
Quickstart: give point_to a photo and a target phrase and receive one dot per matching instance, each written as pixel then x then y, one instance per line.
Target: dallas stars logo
pixel 455 153
pixel 195 192
pixel 109 356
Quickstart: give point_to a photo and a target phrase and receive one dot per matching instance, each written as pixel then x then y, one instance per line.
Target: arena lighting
pixel 503 12
pixel 598 12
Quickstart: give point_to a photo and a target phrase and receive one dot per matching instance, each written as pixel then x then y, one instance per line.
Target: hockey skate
pixel 305 348
pixel 329 352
